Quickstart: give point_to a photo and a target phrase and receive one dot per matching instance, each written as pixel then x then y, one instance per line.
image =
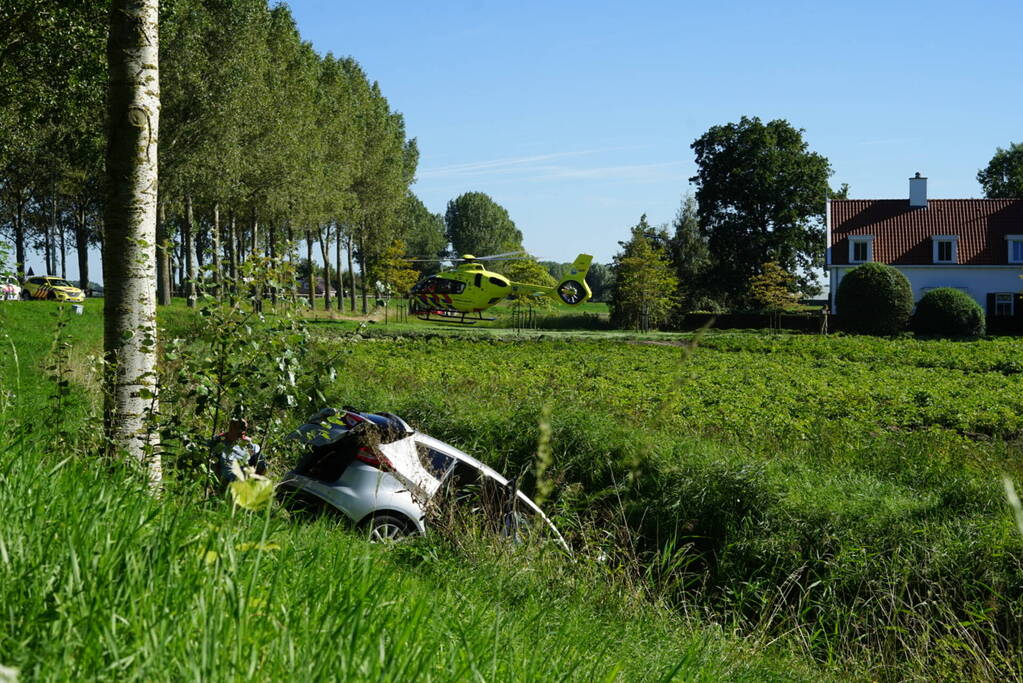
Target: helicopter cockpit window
pixel 479 279
pixel 498 281
pixel 445 286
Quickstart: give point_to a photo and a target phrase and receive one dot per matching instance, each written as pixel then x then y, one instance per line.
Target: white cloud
pixel 540 168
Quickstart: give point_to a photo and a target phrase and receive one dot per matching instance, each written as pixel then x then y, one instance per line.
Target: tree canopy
pixel 760 192
pixel 532 272
pixel 771 290
pixel 261 138
pixel 645 289
pixel 424 234
pixel 1002 178
pixel 478 225
pixel 690 254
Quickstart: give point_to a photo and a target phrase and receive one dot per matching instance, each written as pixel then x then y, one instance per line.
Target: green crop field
pixel 741 505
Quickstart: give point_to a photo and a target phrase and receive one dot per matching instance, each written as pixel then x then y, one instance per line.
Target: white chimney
pixel 918 191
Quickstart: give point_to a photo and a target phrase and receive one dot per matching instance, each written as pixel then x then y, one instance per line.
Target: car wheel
pixel 388 528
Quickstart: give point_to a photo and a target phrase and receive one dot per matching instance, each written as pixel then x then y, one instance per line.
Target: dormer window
pixel 945 248
pixel 861 248
pixel 1015 248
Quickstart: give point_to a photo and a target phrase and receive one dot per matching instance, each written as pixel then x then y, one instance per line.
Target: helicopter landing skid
pixel 454 317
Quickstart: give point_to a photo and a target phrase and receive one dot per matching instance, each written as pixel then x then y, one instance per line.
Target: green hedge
pixel 948 312
pixel 874 299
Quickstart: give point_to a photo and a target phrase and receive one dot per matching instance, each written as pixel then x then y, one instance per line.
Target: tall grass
pixel 99 579
pixel 879 549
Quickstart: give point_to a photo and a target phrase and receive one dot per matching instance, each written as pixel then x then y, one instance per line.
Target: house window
pixel 861 249
pixel 1003 304
pixel 944 251
pixel 1015 248
pixel 945 248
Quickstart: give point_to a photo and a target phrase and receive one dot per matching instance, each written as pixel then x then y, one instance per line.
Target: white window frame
pixel 937 240
pixel 854 240
pixel 1012 303
pixel 1009 241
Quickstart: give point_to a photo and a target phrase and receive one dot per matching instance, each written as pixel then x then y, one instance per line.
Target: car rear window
pixel 436 463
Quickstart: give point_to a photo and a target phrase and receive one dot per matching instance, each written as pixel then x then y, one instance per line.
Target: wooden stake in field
pixel 129 268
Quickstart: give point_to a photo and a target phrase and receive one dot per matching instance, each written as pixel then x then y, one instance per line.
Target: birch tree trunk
pixel 255 233
pixel 292 250
pixel 51 231
pixel 271 247
pixel 82 246
pixel 312 269
pixel 63 250
pixel 188 237
pixel 129 271
pixel 179 264
pixel 163 261
pixel 339 299
pixel 232 241
pixel 216 248
pixel 362 271
pixel 351 271
pixel 323 232
pixel 257 291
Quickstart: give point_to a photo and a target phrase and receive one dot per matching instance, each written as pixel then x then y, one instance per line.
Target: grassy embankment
pixel 838 493
pixel 99 579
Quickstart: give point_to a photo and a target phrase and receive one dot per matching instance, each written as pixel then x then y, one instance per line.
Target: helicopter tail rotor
pixel 573 290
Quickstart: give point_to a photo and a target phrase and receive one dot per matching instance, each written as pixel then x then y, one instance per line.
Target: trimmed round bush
pixel 948 312
pixel 874 299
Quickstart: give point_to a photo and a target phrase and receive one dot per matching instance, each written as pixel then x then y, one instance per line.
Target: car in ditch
pixel 391 480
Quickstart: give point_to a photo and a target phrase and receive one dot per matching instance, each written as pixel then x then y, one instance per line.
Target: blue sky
pixel 577 116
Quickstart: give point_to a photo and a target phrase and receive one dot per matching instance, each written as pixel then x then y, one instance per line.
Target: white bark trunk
pixel 216 248
pixel 323 232
pixel 129 271
pixel 191 264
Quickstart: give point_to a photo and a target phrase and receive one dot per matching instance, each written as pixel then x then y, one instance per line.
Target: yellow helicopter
pixel 462 294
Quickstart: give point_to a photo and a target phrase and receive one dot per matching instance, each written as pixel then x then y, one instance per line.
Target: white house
pixel 975 245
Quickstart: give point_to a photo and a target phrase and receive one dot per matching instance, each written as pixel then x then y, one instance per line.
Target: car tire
pixel 385 528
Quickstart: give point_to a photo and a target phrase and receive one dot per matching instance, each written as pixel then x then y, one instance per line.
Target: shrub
pixel 874 299
pixel 948 312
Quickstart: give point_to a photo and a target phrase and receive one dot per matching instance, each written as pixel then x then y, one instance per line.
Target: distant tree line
pixel 267 148
pixel 749 239
pixel 753 235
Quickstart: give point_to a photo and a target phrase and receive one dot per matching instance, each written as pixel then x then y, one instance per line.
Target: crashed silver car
pixel 388 477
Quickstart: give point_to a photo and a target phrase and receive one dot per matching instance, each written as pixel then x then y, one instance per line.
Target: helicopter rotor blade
pixel 508 255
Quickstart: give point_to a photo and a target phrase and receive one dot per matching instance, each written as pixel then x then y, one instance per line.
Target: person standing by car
pixel 235 450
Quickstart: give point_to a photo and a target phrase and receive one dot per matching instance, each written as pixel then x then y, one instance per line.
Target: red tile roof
pixel 902 234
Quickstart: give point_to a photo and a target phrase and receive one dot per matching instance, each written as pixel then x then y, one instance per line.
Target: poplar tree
pixel 129 307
